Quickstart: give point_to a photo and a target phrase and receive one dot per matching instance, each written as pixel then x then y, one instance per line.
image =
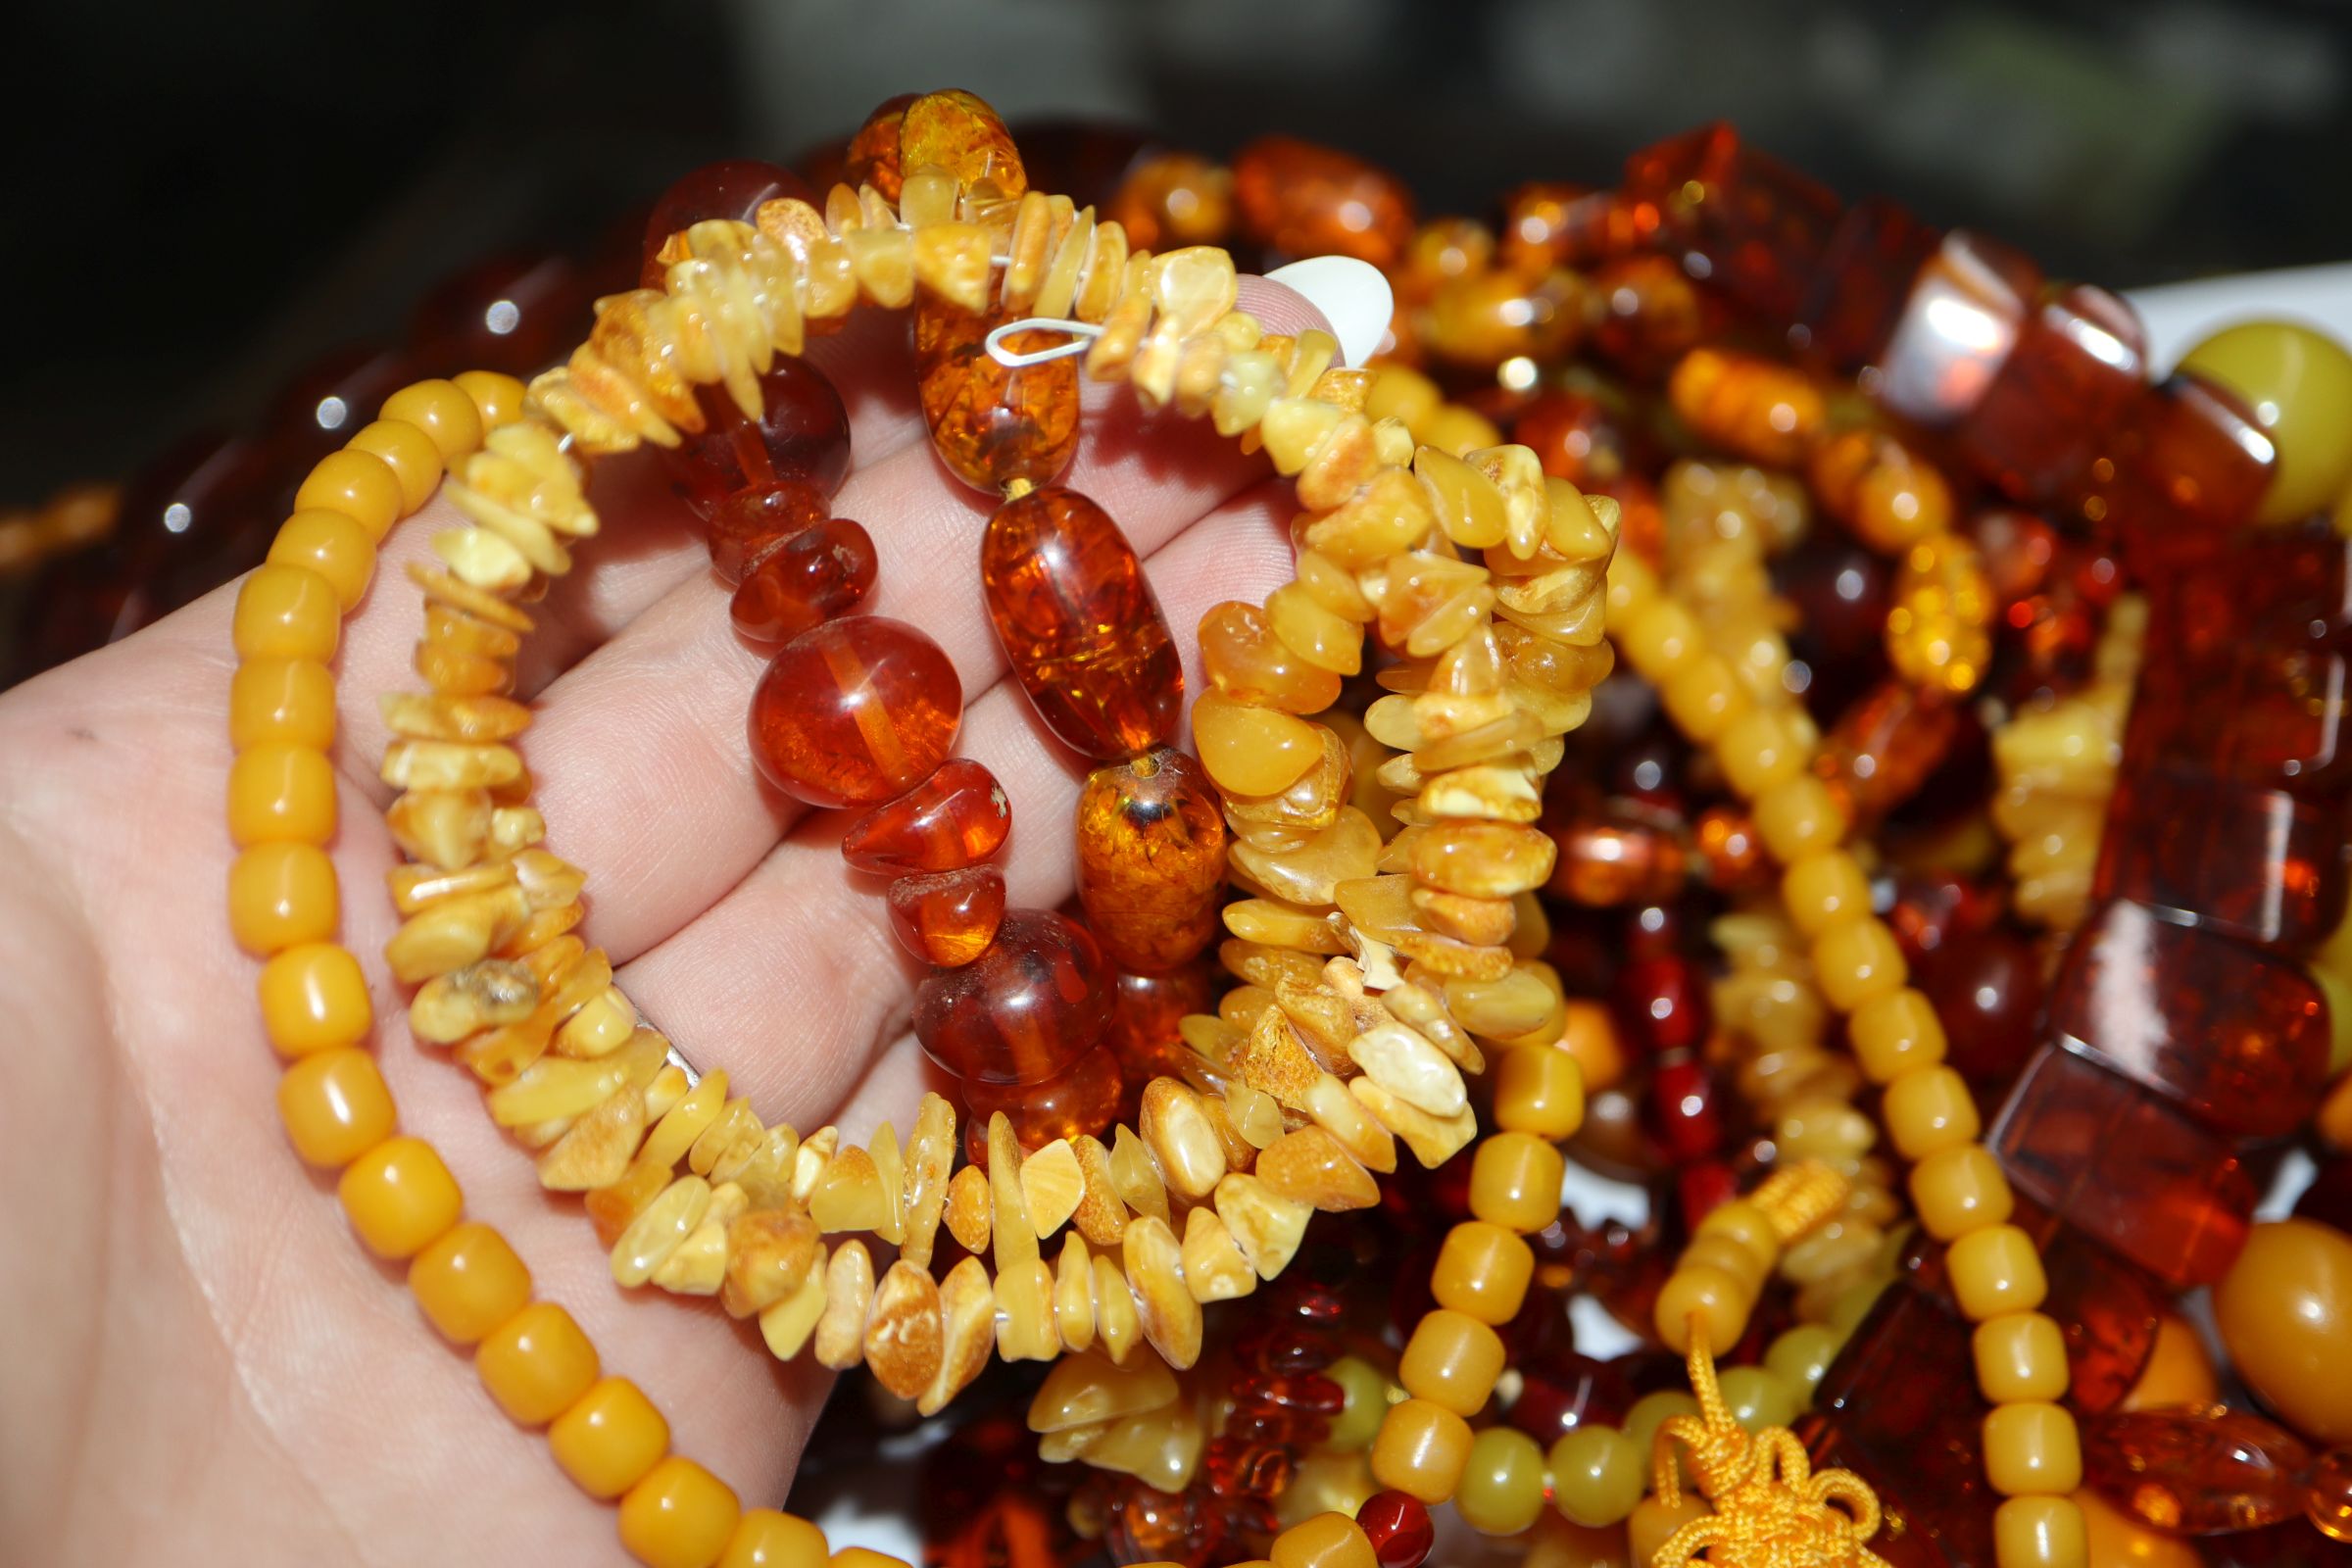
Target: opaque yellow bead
pixel 2031 1450
pixel 399 1197
pixel 1960 1190
pixel 1483 1270
pixel 280 896
pixel 1800 820
pixel 1540 1091
pixel 2298 385
pixel 2020 1357
pixel 1928 1111
pixel 1727 1254
pixel 1253 751
pixel 679 1516
pixel 1743 1222
pixel 609 1438
pixel 1502 1490
pixel 1825 890
pixel 359 484
pixel 447 411
pixel 331 545
pixel 409 452
pixel 497 399
pixel 2040 1532
pixel 1895 1034
pixel 1759 751
pixel 2180 1370
pixel 1324 1541
pixel 1996 1270
pixel 280 794
pixel 1515 1182
pixel 286 612
pixel 1857 963
pixel 314 998
pixel 469 1283
pixel 1719 1300
pixel 1421 1450
pixel 2118 1538
pixel 1652 1524
pixel 291 701
pixel 1597 1475
pixel 1800 1355
pixel 1661 639
pixel 335 1106
pixel 536 1363
pixel 1451 1361
pixel 1314 634
pixel 767 1538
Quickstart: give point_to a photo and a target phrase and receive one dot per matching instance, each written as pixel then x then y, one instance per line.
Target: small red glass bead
pixel 948 917
pixel 854 711
pixel 1027 1008
pixel 731 188
pixel 1399 1529
pixel 1987 986
pixel 959 817
pixel 825 570
pixel 745 527
pixel 803 434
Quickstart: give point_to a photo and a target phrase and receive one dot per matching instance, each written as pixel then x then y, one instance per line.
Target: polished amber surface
pixel 468 1283
pixel 1151 859
pixel 825 570
pixel 2079 362
pixel 1173 200
pixel 2267 865
pixel 957 132
pixel 1298 199
pixel 854 711
pixel 2284 1311
pixel 732 188
pixel 872 155
pixel 2198 1470
pixel 948 917
pixel 1031 1006
pixel 959 817
pixel 1865 276
pixel 1080 625
pixel 2298 384
pixel 1082 1098
pixel 1245 660
pixel 1758 227
pixel 744 527
pixel 1966 306
pixel 991 423
pixel 803 434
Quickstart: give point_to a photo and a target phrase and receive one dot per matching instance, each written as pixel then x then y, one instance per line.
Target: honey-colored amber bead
pixel 359 484
pixel 1253 751
pixel 2284 1311
pixel 854 711
pixel 280 794
pixel 679 1516
pixel 314 998
pixel 767 1538
pixel 1421 1450
pixel 2032 1449
pixel 1996 1270
pixel 1825 890
pixel 2045 1533
pixel 958 132
pixel 956 817
pixel 453 414
pixel 536 1363
pixel 1502 1490
pixel 1895 1034
pixel 281 896
pixel 470 1282
pixel 290 700
pixel 286 612
pixel 948 917
pixel 1245 660
pixel 1661 639
pixel 335 1106
pixel 1757 408
pixel 1515 1182
pixel 1700 1292
pixel 1759 751
pixel 497 399
pixel 2297 383
pixel 1858 961
pixel 1959 1190
pixel 1451 1361
pixel 1483 859
pixel 1590 1034
pixel 410 455
pixel 992 424
pixel 1482 1272
pixel 331 545
pixel 1928 1111
pixel 1151 859
pixel 1306 200
pixel 1539 1090
pixel 1324 1541
pixel 399 1197
pixel 1800 820
pixel 2020 1357
pixel 1938 627
pixel 609 1438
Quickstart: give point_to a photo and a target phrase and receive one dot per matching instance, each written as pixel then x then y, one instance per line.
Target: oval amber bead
pixel 2198 1470
pixel 948 917
pixel 991 423
pixel 1079 624
pixel 731 188
pixel 2285 1315
pixel 803 434
pixel 1080 1100
pixel 1245 660
pixel 1299 199
pixel 1031 1006
pixel 959 817
pixel 823 571
pixel 748 524
pixel 854 711
pixel 957 131
pixel 1151 859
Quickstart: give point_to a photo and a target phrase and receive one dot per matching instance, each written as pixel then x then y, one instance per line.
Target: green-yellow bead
pixel 1758 1398
pixel 1597 1475
pixel 1502 1490
pixel 1366 1391
pixel 2298 385
pixel 1801 1356
pixel 1652 1411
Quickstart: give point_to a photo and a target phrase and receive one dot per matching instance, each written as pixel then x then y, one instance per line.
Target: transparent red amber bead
pixel 731 188
pixel 1648 312
pixel 803 434
pixel 2238 1037
pixel 1027 1008
pixel 1151 859
pixel 825 570
pixel 1563 1391
pixel 1618 853
pixel 1759 227
pixel 854 711
pixel 1885 745
pixel 1575 436
pixel 1987 987
pixel 2197 1470
pixel 2252 711
pixel 2185 467
pixel 2079 362
pixel 749 523
pixel 1301 199
pixel 1858 291
pixel 1144 1021
pixel 872 155
pixel 958 816
pixel 2259 864
pixel 1398 1527
pixel 1967 306
pixel 1079 624
pixel 948 917
pixel 2125 1166
pixel 991 423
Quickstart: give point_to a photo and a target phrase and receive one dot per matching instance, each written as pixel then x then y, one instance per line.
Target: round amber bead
pixel 281 896
pixel 1758 750
pixel 1482 1272
pixel 956 817
pixel 333 546
pixel 1079 624
pixel 948 917
pixel 2020 1357
pixel 1151 859
pixel 448 413
pixel 1027 1008
pixel 1928 1111
pixel 1421 1450
pixel 854 711
pixel 410 455
pixel 497 400
pixel 767 1538
pixel 1652 1524
pixel 287 612
pixel 470 1282
pixel 280 795
pixel 400 1197
pixel 733 189
pixel 1718 1300
pixel 749 523
pixel 335 1106
pixel 1173 200
pixel 1502 1490
pixel 1858 961
pixel 536 1363
pixel 2045 1533
pixel 1515 1182
pixel 609 1438
pixel 1325 1541
pixel 1451 1361
pixel 1081 1100
pixel 1539 1090
pixel 1597 1475
pixel 992 424
pixel 1997 1270
pixel 803 434
pixel 679 1516
pixel 2285 1314
pixel 1959 1190
pixel 291 701
pixel 2031 1450
pixel 359 484
pixel 314 998
pixel 1824 890
pixel 1894 1034
pixel 823 571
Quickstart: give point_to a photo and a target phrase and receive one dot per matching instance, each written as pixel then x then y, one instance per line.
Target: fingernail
pixel 1352 296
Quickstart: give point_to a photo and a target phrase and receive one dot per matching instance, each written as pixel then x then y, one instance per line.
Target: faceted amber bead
pixel 2197 1470
pixel 958 132
pixel 1245 660
pixel 536 1363
pixel 1967 306
pixel 825 570
pixel 1151 859
pixel 335 1106
pixel 803 434
pixel 468 1283
pixel 956 817
pixel 399 1197
pixel 2285 1314
pixel 854 711
pixel 2079 361
pixel 744 527
pixel 2298 382
pixel 991 423
pixel 2261 865
pixel 679 1516
pixel 1298 199
pixel 609 1438
pixel 1032 1005
pixel 1758 226
pixel 1081 1100
pixel 1865 276
pixel 948 917
pixel 1079 624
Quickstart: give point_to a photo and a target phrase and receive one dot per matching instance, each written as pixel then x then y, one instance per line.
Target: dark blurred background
pixel 205 200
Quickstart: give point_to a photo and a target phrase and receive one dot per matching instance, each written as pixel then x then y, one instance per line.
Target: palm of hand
pixel 198 1356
